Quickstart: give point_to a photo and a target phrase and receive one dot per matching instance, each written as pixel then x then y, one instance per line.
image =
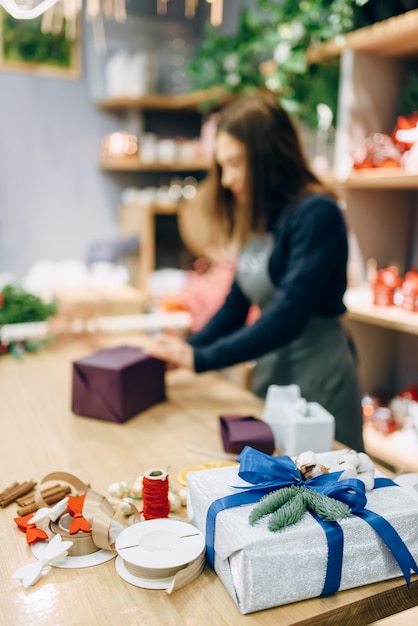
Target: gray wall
pixel 54 200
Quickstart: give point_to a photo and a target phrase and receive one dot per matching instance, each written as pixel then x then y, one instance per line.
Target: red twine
pixel 155 495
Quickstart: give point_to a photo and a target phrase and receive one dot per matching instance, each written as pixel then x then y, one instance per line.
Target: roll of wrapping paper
pixel 155 500
pixel 238 431
pixel 160 554
pixel 83 543
pixel 97 510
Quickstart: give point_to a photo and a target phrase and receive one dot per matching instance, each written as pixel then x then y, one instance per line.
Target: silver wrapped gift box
pixel 262 569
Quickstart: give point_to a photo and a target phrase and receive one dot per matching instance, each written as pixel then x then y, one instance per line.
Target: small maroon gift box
pixel 115 384
pixel 238 431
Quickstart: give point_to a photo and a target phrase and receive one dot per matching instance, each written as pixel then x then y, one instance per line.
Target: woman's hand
pixel 174 351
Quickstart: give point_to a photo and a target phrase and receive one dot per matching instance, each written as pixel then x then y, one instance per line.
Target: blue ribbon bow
pixel 266 473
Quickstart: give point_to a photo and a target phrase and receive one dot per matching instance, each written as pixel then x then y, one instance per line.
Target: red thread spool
pixel 155 500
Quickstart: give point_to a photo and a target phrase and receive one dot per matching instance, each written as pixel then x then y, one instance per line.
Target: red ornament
pixel 409 393
pixel 404 122
pixel 377 150
pixel 410 291
pixel 387 281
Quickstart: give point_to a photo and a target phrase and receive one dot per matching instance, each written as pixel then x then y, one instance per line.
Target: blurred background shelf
pixel 396 36
pixel 391 317
pixel 192 101
pixel 133 164
pixel 381 178
pixel 384 448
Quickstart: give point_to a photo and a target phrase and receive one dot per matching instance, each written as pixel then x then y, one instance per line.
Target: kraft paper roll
pixel 93 548
pixel 97 510
pixel 83 543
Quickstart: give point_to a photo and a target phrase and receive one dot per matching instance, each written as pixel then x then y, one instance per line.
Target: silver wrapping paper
pixel 261 569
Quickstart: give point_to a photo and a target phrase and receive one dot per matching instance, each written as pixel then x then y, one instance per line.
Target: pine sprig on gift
pixel 271 502
pixel 287 506
pixel 327 508
pixel 288 514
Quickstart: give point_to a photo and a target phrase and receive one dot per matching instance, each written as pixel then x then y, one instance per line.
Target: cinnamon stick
pixel 57 495
pixel 45 493
pixel 16 492
pixel 6 491
pixel 32 507
pixel 25 501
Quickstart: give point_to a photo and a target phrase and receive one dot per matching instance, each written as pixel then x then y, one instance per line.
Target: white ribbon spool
pixel 160 554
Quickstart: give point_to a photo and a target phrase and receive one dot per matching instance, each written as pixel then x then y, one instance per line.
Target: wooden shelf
pixel 391 317
pixel 133 164
pixel 379 178
pixel 396 36
pixel 164 102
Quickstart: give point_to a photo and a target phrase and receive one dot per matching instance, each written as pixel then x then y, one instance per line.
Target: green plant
pixel 18 306
pixel 282 31
pixel 24 41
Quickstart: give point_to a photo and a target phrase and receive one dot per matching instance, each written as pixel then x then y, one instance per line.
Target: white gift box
pixel 261 569
pixel 297 425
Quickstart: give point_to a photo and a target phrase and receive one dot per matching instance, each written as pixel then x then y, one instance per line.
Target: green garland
pixel 18 306
pixel 287 506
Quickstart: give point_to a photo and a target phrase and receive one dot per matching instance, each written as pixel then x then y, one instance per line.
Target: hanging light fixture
pixel 57 13
pixel 26 10
pixel 216 9
pixel 115 9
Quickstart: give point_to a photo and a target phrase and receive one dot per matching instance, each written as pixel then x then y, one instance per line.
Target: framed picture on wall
pixel 25 48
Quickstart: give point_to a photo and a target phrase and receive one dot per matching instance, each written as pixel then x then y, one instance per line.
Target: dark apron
pixel 320 361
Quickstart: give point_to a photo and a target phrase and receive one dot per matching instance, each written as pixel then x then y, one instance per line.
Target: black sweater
pixel 308 267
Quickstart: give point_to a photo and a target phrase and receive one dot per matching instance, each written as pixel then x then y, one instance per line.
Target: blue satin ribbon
pixel 267 473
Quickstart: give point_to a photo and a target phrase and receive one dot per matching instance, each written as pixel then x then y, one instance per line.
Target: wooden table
pixel 40 435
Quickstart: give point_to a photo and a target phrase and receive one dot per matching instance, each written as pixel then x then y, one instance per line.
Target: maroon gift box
pixel 238 431
pixel 115 384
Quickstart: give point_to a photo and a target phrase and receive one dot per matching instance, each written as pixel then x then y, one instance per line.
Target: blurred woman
pixel 292 263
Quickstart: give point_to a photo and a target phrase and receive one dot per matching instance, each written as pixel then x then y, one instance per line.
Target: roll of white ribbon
pixel 160 554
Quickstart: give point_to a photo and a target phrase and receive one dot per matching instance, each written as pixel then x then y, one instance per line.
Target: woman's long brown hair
pixel 278 171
